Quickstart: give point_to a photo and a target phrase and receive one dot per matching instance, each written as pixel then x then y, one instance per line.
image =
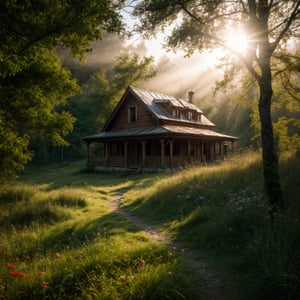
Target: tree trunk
pixel 272 186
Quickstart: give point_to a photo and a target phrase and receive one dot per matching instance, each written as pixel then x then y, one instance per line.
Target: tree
pixel 269 25
pixel 103 91
pixel 33 84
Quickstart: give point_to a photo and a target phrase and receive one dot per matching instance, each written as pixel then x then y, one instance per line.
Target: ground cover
pixel 219 213
pixel 61 240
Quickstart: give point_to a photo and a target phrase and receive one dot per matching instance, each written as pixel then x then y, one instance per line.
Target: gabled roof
pixel 152 100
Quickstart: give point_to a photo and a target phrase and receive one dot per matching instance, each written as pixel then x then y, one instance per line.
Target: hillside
pixel 61 239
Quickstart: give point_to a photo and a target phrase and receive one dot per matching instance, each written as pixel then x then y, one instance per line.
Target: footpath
pixel 214 287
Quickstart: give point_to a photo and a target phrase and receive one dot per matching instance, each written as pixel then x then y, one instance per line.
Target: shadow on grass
pixel 75 235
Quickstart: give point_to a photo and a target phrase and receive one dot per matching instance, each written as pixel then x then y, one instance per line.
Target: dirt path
pixel 214 288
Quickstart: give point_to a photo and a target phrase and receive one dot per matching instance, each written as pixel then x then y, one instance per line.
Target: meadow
pixel 61 240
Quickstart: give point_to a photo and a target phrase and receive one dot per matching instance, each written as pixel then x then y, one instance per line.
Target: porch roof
pixel 165 130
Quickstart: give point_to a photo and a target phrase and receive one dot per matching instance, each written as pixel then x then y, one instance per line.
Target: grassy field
pixel 60 240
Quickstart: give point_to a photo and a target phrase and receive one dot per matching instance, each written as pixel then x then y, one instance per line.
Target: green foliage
pixel 33 84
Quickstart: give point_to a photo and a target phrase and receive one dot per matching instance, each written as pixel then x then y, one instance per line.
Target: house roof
pixel 182 127
pixel 159 131
pixel 152 99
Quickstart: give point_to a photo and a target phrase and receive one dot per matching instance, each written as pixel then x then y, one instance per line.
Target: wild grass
pixel 220 211
pixel 61 241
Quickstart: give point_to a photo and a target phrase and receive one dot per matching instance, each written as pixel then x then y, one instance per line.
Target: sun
pixel 237 41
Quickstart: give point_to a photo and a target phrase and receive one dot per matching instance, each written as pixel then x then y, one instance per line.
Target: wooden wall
pixel 120 120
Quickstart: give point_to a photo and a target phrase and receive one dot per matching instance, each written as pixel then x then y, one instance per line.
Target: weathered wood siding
pixel 144 117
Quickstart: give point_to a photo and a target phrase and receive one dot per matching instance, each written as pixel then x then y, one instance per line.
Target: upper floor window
pixel 175 112
pixel 190 115
pixel 199 117
pixel 132 114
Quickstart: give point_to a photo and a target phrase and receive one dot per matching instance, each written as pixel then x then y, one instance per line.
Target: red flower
pixel 11 266
pixel 27 257
pixel 41 273
pixel 18 274
pixel 43 284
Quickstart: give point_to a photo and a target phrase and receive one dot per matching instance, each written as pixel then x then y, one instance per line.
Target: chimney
pixel 191 96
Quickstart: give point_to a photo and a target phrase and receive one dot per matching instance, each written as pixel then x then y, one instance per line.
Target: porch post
pixel 162 152
pixel 202 153
pixel 125 153
pixel 171 153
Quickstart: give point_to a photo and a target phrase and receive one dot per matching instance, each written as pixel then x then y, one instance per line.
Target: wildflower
pixel 43 284
pixel 41 273
pixel 17 274
pixel 57 255
pixel 25 228
pixel 122 278
pixel 11 266
pixel 27 257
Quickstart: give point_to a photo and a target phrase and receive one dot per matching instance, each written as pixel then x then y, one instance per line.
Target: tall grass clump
pixel 70 198
pixel 18 193
pixel 272 260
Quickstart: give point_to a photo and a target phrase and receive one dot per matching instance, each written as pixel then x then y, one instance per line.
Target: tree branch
pixel 295 12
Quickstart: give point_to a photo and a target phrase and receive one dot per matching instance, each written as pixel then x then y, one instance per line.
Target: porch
pixel 153 154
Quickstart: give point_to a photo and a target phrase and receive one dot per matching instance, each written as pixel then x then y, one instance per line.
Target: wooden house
pixel 152 131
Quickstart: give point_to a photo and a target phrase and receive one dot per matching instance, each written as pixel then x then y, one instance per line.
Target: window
pixel 199 117
pixel 175 112
pixel 132 114
pixel 190 115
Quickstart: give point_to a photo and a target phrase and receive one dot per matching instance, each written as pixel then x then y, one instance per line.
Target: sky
pixel 176 72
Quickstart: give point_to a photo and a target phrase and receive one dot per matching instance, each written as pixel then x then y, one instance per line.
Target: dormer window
pixel 199 117
pixel 190 115
pixel 175 112
pixel 132 114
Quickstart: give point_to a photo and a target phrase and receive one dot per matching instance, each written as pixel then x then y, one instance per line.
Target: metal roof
pixel 152 100
pixel 158 131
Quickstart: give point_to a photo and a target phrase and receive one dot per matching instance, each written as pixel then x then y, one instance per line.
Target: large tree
pixel 33 84
pixel 270 25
